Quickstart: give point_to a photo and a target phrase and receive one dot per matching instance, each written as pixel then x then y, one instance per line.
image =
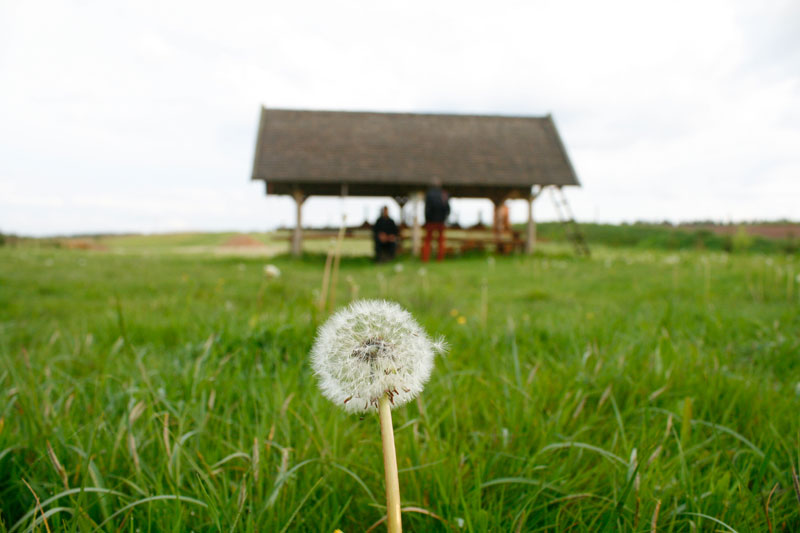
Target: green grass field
pixel 147 390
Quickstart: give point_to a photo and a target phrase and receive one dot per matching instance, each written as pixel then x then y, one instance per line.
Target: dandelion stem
pixel 390 466
pixel 337 255
pixel 326 277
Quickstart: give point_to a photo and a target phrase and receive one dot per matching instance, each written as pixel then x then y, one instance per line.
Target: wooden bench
pixel 467 240
pixel 456 239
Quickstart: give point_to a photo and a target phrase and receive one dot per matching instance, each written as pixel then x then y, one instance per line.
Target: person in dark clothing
pixel 437 209
pixel 385 232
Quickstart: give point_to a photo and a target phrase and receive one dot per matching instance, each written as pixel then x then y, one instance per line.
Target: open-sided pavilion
pixel 399 155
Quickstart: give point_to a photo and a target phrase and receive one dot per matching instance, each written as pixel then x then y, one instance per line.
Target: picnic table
pixel 457 240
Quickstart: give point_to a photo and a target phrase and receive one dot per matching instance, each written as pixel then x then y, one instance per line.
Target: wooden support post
pixel 496 218
pixel 297 236
pixel 500 224
pixel 416 232
pixel 401 201
pixel 530 241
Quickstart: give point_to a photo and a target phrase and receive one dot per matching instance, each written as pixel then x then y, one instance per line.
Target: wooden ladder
pixel 567 219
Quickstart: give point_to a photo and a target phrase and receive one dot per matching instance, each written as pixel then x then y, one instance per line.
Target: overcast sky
pixel 142 116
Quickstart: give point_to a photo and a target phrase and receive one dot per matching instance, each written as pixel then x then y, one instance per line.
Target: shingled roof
pixel 393 154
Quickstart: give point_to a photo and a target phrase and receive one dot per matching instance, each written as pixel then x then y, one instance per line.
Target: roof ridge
pixel 406 113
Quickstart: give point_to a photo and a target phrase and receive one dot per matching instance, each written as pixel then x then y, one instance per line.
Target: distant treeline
pixel 667 237
pixel 10 239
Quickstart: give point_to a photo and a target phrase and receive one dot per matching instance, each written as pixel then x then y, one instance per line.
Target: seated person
pixel 385 232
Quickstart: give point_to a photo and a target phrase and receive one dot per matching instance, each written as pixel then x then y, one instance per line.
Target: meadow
pixel 145 389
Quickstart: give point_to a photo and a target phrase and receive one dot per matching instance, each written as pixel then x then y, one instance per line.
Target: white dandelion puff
pixel 370 349
pixel 272 272
pixel 398 268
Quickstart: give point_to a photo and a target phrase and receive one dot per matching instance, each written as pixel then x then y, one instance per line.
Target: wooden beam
pixel 530 240
pixel 416 231
pixel 497 224
pixel 319 188
pixel 297 236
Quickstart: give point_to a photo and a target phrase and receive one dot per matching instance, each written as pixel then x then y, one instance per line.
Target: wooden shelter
pixel 333 153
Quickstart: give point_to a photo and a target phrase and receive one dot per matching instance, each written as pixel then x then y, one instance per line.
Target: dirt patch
pixel 770 231
pixel 787 231
pixel 241 240
pixel 83 244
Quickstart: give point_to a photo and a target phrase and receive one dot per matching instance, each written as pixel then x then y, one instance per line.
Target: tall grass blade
pixel 60 495
pixel 584 446
pixel 715 520
pixel 161 497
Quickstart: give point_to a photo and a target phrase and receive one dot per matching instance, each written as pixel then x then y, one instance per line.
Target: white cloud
pixel 142 115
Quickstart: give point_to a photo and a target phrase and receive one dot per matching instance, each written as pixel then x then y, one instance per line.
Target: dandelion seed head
pixel 371 348
pixel 272 272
